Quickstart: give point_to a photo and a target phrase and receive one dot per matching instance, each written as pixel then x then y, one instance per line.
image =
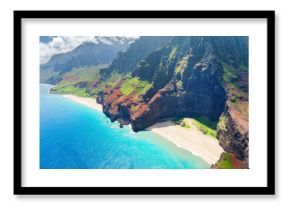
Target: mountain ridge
pixel 175 77
pixel 86 54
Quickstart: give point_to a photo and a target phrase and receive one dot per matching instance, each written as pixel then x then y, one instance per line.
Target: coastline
pixel 85 101
pixel 190 139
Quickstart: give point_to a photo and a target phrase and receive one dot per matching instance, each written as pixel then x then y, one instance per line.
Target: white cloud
pixel 62 44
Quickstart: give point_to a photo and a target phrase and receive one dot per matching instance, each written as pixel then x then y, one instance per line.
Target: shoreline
pixel 85 101
pixel 190 139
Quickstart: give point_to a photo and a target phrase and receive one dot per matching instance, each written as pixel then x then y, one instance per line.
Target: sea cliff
pixel 177 77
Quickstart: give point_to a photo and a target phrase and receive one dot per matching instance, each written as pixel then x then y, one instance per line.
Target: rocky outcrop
pixel 191 77
pixel 229 161
pixel 233 132
pixel 201 95
pixel 112 100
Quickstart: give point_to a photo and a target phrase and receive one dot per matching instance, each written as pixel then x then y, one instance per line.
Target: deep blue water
pixel 74 136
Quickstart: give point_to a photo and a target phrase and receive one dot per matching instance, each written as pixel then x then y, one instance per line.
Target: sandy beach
pixel 191 139
pixel 85 101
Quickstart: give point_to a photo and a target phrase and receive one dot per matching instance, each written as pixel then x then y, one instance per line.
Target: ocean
pixel 74 136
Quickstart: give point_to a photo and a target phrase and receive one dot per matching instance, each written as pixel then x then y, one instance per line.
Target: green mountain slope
pixel 188 77
pixel 87 54
pixel 127 61
pixel 201 77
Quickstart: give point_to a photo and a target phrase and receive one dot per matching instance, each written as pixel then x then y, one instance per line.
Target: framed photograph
pixel 144 102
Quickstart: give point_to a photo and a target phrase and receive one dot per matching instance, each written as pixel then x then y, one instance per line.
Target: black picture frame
pixel 268 190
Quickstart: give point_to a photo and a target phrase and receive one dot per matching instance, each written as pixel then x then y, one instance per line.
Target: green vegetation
pixel 222 122
pixel 134 107
pixel 173 53
pixel 111 81
pixel 83 74
pixel 181 65
pixel 205 125
pixel 244 68
pixel 232 79
pixel 78 81
pixel 135 85
pixel 182 122
pixel 69 89
pixel 235 91
pixel 49 75
pixel 208 127
pixel 179 84
pixel 230 73
pixel 225 161
pixel 206 121
pixel 237 94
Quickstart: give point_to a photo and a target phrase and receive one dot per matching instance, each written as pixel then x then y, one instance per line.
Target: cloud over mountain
pixel 62 44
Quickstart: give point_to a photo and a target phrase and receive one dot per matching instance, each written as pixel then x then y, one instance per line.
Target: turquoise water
pixel 74 136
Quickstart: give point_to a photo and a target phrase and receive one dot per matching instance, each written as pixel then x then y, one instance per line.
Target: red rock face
pixel 203 96
pixel 142 109
pixel 188 81
pixel 241 120
pixel 155 97
pixel 233 133
pixel 130 109
pixel 113 97
pixel 233 160
pixel 118 106
pixel 237 164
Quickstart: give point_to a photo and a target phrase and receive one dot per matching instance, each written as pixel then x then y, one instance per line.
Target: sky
pixel 45 39
pixel 51 45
